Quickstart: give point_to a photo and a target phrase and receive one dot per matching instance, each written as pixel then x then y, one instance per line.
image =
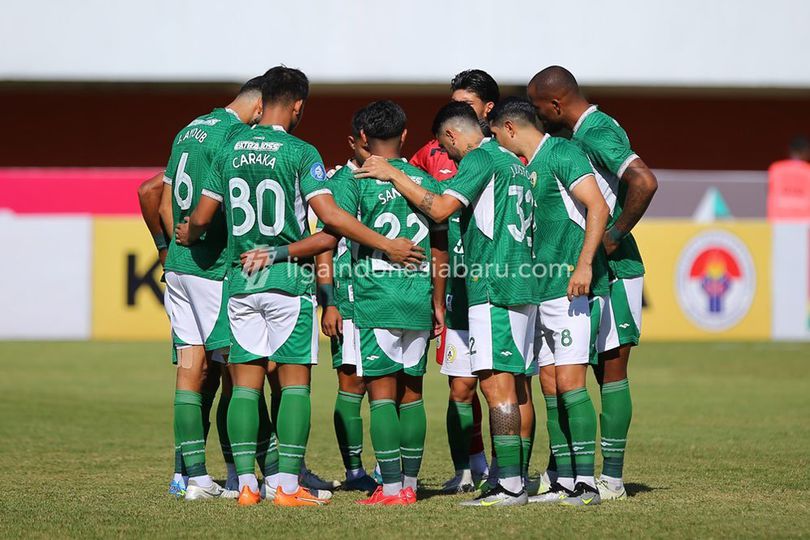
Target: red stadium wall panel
pixel 80 264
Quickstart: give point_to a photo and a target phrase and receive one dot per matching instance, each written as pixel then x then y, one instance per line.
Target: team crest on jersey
pixel 318 172
pixel 533 178
pixel 716 281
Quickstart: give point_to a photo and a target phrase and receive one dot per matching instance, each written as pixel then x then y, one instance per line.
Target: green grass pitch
pixel 719 447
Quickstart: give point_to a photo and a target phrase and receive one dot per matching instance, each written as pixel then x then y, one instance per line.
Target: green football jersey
pixel 193 152
pixel 456 317
pixel 608 148
pixel 496 223
pixel 388 295
pixel 556 167
pixel 342 257
pixel 264 177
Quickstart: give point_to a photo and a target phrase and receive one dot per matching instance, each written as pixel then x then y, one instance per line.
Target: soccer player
pixel 478 89
pixel 264 178
pixel 393 309
pixel 570 214
pixel 335 295
pixel 628 186
pixel 149 194
pixel 492 188
pixel 194 286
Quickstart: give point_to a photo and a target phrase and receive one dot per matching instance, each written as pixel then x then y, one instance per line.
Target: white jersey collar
pixel 233 112
pixel 582 118
pixel 539 146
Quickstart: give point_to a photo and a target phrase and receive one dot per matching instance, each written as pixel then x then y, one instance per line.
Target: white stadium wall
pixel 691 43
pixel 45 276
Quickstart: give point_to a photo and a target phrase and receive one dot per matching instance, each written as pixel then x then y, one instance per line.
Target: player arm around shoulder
pixel 588 194
pixel 436 206
pixel 641 186
pixel 399 250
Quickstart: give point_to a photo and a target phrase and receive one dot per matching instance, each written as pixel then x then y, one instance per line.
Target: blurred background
pixel 715 97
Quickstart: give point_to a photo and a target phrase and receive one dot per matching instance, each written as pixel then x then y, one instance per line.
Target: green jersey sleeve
pixel 474 173
pixel 214 185
pixel 348 195
pixel 610 148
pixel 570 165
pixel 311 173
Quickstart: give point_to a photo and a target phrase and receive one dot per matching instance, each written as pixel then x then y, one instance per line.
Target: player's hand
pixel 181 232
pixel 609 243
pixel 580 282
pixel 403 251
pixel 254 260
pixel 376 167
pixel 332 322
pixel 438 320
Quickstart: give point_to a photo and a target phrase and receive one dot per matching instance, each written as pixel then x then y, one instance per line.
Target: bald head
pixel 554 81
pixel 555 94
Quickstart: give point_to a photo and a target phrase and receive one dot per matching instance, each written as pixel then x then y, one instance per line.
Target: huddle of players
pixel 525 249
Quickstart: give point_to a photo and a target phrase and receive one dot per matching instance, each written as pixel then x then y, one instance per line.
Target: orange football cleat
pixel 302 497
pixel 376 497
pixel 408 494
pixel 248 498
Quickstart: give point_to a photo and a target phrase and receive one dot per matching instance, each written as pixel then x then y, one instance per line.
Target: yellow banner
pixel 127 292
pixel 706 282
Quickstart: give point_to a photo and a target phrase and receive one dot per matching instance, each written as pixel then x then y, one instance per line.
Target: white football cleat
pixel 214 491
pixel 608 493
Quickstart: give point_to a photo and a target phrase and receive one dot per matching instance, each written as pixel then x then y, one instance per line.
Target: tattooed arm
pixel 436 206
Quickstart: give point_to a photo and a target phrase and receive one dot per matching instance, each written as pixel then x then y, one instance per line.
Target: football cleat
pixel 404 497
pixel 248 497
pixel 214 491
pixel 178 489
pixel 553 495
pixel 310 480
pixel 232 483
pixel 499 496
pixel 583 495
pixel 545 483
pixel 266 491
pixel 377 477
pixel 532 487
pixel 462 482
pixel 607 493
pixel 363 483
pixel 302 497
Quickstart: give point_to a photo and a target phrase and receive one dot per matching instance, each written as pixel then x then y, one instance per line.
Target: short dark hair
pixel 478 82
pixel 454 109
pixel 283 85
pixel 358 118
pixel 515 109
pixel 555 81
pixel 253 85
pixel 383 120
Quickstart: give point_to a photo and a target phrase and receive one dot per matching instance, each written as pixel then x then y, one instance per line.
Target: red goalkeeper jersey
pixel 433 159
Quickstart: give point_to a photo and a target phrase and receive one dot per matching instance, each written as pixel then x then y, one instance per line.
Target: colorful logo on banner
pixel 716 280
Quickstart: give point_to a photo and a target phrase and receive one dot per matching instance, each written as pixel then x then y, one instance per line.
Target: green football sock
pixel 188 425
pixel 557 440
pixel 243 427
pixel 509 451
pixel 222 427
pixel 207 404
pixel 582 426
pixel 386 439
pixel 293 428
pixel 275 405
pixel 459 432
pixel 412 432
pixel 266 446
pixel 617 411
pixel 349 429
